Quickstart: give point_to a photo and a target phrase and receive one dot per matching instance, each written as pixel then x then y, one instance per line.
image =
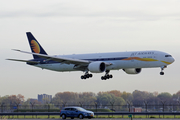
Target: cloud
pixel 133 12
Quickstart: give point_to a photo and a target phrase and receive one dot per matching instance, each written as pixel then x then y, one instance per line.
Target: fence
pixel 96 107
pixel 97 115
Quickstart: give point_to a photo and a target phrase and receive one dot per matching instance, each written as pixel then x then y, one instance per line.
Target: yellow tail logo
pixel 35 46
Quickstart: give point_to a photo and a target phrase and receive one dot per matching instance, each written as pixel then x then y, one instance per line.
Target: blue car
pixel 76 112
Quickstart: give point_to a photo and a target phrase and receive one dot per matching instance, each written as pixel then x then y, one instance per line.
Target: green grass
pixel 31 117
pixel 99 116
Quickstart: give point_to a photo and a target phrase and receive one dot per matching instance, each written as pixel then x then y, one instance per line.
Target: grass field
pixel 99 116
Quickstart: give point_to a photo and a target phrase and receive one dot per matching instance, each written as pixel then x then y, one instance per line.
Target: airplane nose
pixel 172 60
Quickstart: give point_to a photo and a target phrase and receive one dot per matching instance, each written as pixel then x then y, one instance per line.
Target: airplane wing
pixel 23 60
pixel 61 59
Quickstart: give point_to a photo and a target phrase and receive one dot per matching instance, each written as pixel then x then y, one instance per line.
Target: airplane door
pixel 134 62
pixel 132 57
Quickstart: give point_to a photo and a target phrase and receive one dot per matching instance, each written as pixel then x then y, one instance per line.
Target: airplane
pixel 130 62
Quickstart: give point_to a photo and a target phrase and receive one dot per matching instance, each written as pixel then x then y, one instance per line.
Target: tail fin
pixel 34 45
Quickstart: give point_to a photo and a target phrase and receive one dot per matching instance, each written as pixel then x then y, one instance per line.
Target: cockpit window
pixel 168 56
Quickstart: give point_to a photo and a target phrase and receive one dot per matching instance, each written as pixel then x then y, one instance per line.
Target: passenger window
pixel 73 109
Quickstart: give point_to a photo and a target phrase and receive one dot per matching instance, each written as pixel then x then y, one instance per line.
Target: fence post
pixel 2 108
pixel 64 104
pixel 146 104
pixel 178 105
pixel 2 105
pixel 32 104
pixel 96 107
pixel 17 105
pixel 81 104
pixel 163 102
pixel 112 104
pixel 129 105
pixel 48 107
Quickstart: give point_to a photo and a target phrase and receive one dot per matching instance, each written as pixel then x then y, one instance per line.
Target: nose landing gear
pixel 162 68
pixel 161 73
pixel 106 76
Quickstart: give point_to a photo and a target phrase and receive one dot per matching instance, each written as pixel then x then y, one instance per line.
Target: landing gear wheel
pixel 82 77
pixel 106 76
pixel 90 75
pixel 81 116
pixel 103 78
pixel 161 73
pixel 63 116
pixel 72 117
pixel 110 76
pixel 162 68
pixel 86 75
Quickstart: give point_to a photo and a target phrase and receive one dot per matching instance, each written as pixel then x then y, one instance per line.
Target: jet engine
pixel 132 70
pixel 97 67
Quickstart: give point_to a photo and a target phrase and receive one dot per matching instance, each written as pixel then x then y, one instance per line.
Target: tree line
pixel 115 97
pixel 102 98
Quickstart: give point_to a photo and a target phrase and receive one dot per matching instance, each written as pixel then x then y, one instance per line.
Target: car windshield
pixel 80 109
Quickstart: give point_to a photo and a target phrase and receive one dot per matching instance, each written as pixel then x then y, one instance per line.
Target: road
pixel 95 119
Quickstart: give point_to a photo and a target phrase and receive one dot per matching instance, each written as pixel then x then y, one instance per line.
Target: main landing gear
pixel 106 76
pixel 162 68
pixel 87 75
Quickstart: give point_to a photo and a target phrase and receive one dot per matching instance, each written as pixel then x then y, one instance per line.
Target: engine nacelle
pixel 132 70
pixel 97 67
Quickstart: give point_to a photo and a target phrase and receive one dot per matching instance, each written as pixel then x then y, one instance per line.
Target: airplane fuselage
pixel 119 60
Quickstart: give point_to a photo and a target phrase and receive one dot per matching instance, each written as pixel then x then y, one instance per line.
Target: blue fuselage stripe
pixel 94 59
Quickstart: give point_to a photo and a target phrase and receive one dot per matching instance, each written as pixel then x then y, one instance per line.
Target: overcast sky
pixel 87 26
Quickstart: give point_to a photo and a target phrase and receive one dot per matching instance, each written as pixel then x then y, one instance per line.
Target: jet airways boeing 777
pixel 130 62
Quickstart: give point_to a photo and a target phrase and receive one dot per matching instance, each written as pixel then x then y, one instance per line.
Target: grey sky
pixel 91 26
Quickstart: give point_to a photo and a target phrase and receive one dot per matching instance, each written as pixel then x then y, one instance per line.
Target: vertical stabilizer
pixel 34 45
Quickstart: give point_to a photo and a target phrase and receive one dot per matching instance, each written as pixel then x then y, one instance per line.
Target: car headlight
pixel 85 114
pixel 91 114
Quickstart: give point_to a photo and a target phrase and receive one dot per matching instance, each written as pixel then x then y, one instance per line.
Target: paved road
pixel 95 119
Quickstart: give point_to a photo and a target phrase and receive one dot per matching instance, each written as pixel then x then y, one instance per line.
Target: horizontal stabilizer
pixel 23 61
pixel 58 59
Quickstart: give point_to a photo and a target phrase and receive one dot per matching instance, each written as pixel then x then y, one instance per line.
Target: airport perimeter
pixel 109 111
pixel 122 115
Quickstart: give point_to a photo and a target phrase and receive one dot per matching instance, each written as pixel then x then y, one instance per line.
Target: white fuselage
pixel 119 60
